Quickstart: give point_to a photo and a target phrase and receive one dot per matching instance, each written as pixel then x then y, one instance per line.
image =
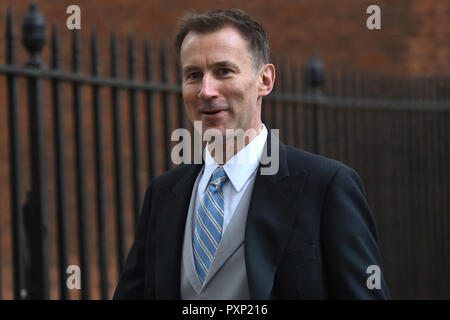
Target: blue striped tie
pixel 208 224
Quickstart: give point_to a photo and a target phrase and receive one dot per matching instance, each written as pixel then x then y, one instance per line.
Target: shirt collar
pixel 241 166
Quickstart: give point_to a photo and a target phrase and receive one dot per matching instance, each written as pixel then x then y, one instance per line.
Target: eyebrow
pixel 224 63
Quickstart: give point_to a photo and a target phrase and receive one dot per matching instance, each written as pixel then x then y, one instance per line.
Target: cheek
pixel 188 97
pixel 251 88
pixel 237 93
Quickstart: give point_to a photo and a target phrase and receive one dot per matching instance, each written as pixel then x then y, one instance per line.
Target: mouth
pixel 213 113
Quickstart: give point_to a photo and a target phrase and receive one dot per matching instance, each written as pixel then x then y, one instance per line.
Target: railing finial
pixel 314 75
pixel 34 35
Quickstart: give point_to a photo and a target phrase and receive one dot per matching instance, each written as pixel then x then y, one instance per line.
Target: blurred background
pixel 86 118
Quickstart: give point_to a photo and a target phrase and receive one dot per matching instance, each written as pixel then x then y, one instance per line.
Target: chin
pixel 214 130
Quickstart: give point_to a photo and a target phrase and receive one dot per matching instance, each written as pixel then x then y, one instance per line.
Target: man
pixel 225 230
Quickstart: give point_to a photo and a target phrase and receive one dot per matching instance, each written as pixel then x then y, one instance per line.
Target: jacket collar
pixel 271 214
pixel 170 233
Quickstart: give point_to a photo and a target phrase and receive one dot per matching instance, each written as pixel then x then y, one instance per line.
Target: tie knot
pixel 218 177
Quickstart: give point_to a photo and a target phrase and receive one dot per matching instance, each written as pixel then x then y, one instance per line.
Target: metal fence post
pixel 14 111
pixel 314 79
pixel 33 38
pixel 60 167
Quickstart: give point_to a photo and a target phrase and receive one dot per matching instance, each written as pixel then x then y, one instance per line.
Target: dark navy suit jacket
pixel 309 234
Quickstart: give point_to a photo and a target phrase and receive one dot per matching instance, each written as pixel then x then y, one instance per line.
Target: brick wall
pixel 413 39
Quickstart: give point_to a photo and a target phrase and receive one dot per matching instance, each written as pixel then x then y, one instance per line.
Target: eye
pixel 224 71
pixel 193 76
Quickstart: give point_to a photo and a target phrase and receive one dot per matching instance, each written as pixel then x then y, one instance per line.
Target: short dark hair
pixel 212 21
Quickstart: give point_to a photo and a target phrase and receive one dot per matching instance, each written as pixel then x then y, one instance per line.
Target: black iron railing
pixel 85 178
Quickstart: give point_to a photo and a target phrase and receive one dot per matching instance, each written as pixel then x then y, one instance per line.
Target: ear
pixel 267 76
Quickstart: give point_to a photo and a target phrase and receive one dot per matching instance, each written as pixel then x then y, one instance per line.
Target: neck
pixel 222 151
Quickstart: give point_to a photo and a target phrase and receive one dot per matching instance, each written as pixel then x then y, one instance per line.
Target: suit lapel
pixel 271 214
pixel 173 207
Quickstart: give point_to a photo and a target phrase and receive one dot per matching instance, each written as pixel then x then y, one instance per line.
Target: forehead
pixel 224 43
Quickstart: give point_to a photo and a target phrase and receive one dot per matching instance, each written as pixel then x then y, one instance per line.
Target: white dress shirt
pixel 240 169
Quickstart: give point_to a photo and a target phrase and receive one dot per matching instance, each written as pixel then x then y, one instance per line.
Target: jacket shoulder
pixel 299 160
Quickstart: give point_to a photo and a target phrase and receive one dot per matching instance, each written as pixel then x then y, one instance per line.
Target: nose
pixel 209 88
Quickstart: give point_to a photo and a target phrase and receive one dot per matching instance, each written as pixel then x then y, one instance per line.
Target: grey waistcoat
pixel 227 277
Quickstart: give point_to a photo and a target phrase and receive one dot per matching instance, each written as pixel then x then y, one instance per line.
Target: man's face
pixel 220 85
